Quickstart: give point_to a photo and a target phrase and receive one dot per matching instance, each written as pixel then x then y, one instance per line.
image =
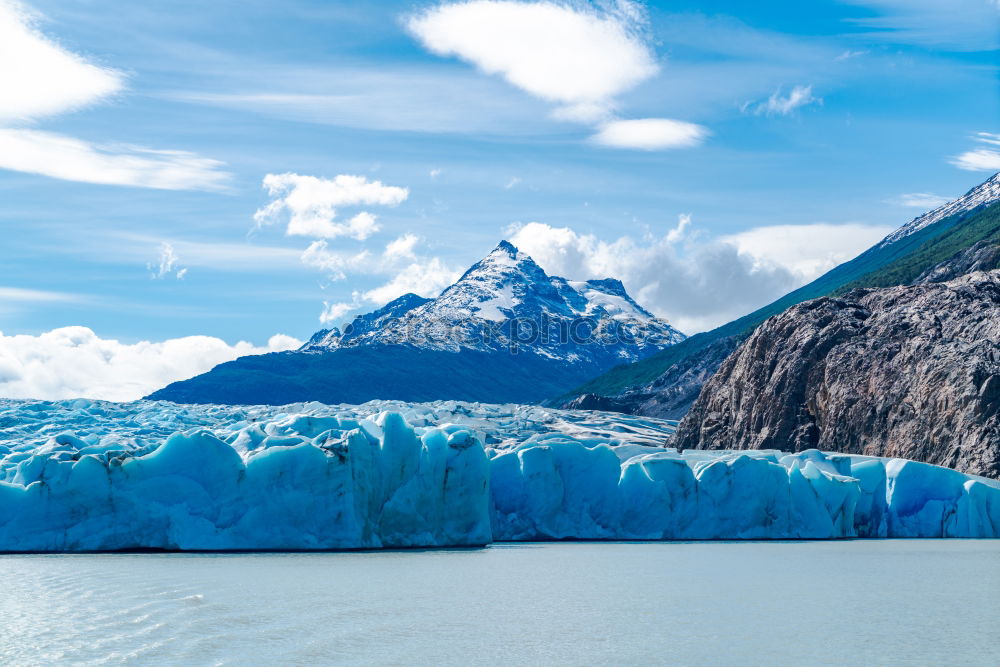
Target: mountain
pixel 504 332
pixel 507 302
pixel 667 383
pixel 907 372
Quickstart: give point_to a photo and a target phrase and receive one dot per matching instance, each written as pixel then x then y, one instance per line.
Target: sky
pixel 182 182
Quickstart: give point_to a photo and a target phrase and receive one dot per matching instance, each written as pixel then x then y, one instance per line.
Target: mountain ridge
pixel 504 319
pixel 639 388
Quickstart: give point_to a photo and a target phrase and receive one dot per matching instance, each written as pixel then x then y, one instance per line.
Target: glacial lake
pixel 857 602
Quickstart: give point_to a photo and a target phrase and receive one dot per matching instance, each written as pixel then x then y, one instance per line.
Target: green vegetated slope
pixel 880 266
pixel 981 225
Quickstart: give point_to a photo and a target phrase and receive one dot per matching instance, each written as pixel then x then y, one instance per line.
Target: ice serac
pixel 322 477
pixel 296 483
pixel 563 490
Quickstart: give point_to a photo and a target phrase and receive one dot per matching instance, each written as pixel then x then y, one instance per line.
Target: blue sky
pixel 786 137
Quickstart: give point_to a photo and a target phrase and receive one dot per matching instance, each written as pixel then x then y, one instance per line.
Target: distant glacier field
pixel 97 476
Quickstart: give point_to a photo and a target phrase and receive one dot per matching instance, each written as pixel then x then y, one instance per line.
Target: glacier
pixel 95 476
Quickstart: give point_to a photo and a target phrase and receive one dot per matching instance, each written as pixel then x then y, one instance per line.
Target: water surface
pixel 893 601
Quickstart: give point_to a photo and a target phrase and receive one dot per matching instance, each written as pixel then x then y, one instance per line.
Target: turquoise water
pixel 857 602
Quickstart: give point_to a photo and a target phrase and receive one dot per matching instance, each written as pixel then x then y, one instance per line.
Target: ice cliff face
pixel 910 371
pixel 322 477
pixel 507 302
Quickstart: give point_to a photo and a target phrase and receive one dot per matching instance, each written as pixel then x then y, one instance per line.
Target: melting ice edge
pixel 95 476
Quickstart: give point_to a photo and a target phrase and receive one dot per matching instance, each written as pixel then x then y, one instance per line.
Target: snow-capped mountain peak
pixel 506 302
pixel 984 194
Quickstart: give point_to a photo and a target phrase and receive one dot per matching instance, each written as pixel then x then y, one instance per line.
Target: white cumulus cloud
pixel 401 247
pixel 579 56
pixel 426 278
pixel 334 263
pixel 74 362
pixel 807 251
pixel 308 204
pixel 332 312
pixel 407 272
pixel 698 283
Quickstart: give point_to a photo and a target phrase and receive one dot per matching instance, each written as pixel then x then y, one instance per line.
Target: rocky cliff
pixel 671 394
pixel 952 240
pixel 910 371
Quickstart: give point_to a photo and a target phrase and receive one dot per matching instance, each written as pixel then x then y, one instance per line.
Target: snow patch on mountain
pixel 506 302
pixel 983 194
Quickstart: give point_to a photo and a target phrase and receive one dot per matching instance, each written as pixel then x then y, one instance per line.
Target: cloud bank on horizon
pixel 74 362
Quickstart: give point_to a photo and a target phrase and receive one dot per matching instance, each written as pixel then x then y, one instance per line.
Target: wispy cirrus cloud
pixel 922 200
pixel 782 104
pixel 962 25
pixel 980 159
pixel 39 78
pixel 67 158
pixel 168 264
pixel 23 294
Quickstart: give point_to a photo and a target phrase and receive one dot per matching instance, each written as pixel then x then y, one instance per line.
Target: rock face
pixel 665 383
pixel 671 394
pixel 911 371
pixel 983 256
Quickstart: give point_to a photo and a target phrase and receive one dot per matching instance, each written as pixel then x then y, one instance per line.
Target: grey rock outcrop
pixel 671 394
pixel 910 371
pixel 983 256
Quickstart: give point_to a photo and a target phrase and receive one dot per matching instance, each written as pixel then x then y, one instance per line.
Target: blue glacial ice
pixel 91 476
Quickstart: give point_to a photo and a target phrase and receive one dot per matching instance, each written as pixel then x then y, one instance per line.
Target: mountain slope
pixel 640 387
pixel 504 332
pixel 906 371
